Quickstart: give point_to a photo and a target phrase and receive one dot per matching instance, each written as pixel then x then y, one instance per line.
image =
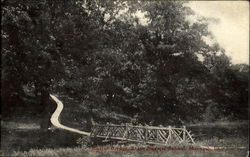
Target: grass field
pixel 134 150
pixel 122 152
pixel 35 142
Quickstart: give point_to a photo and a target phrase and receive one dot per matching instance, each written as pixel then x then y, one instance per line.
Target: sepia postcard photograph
pixel 124 78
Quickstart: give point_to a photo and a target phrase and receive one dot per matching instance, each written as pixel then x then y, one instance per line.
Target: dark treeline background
pixel 101 56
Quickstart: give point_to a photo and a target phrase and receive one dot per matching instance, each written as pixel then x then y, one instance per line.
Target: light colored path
pixel 54 118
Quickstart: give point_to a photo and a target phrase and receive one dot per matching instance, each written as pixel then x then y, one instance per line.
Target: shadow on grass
pixel 24 140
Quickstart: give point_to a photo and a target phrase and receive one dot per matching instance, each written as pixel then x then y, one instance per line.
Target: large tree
pixel 157 68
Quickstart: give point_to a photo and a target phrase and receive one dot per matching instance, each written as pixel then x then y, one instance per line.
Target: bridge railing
pixel 146 134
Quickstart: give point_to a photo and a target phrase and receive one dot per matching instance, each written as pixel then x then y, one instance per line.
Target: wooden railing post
pixel 157 135
pixel 170 130
pixel 146 134
pixel 126 129
pixel 184 133
pixel 169 134
pixel 125 135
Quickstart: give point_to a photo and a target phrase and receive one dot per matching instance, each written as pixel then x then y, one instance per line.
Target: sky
pixel 232 30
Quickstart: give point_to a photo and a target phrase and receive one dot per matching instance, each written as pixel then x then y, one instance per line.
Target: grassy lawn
pixel 140 150
pixel 35 142
pixel 88 152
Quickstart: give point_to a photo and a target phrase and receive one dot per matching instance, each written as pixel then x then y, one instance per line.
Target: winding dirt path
pixel 54 118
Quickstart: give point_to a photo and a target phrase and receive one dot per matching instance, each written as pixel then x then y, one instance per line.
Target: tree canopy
pixel 142 59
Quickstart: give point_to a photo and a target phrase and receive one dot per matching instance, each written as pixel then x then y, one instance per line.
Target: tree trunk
pixel 47 109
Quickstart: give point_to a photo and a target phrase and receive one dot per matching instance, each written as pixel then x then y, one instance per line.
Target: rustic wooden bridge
pixel 145 134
